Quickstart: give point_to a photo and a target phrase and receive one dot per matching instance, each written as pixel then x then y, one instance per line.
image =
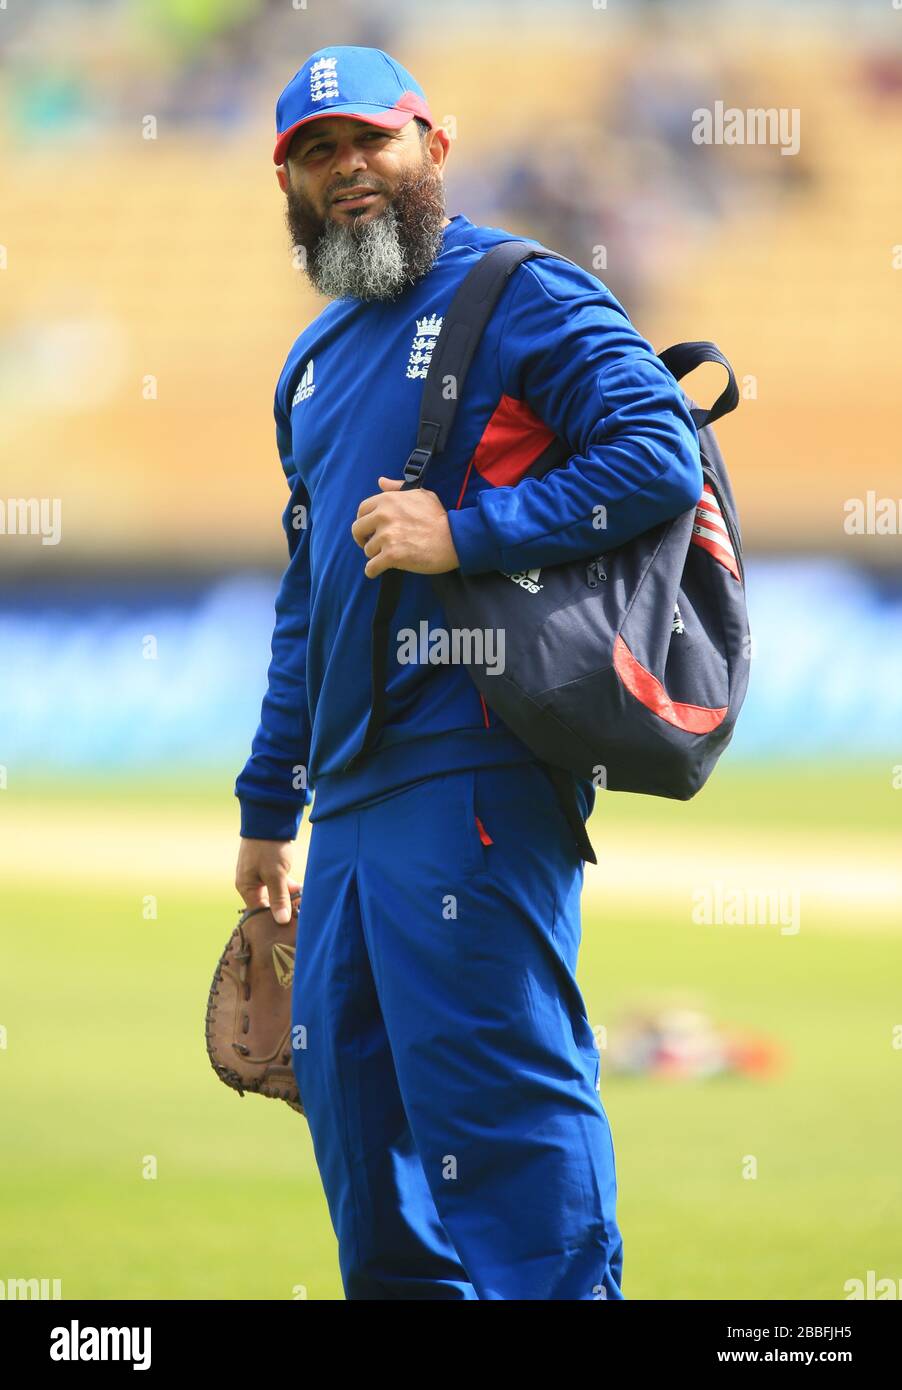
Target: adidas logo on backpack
pixel 527 579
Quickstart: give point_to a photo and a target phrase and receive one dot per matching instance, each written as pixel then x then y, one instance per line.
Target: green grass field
pixel 105 1065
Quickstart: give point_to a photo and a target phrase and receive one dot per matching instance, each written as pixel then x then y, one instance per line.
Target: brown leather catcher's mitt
pixel 249 1008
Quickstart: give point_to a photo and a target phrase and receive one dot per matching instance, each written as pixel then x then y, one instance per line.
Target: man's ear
pixel 282 176
pixel 439 146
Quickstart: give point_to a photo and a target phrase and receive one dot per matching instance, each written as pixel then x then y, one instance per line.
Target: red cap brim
pixel 409 105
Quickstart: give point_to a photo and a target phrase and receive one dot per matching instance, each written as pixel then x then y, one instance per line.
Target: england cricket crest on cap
pixel 428 330
pixel 324 79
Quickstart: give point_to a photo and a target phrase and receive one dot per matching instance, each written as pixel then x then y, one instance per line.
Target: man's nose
pixel 349 158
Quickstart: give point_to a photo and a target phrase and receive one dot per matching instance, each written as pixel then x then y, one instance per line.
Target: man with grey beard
pixel 446 1064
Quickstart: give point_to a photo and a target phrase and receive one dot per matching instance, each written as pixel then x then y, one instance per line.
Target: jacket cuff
pixel 476 548
pixel 264 820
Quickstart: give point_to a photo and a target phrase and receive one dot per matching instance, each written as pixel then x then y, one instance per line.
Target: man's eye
pixel 324 144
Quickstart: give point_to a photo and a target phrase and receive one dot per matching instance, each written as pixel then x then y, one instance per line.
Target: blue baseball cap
pixel 345 81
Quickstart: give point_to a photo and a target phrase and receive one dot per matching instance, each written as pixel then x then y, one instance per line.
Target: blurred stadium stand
pixel 131 259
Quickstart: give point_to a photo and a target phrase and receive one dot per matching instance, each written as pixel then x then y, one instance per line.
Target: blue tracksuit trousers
pixel 447 1067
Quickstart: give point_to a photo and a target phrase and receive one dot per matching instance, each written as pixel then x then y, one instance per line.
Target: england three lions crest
pixel 324 80
pixel 424 341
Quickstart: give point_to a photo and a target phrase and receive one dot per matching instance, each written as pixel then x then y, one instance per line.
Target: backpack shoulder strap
pixel 462 327
pixel 461 331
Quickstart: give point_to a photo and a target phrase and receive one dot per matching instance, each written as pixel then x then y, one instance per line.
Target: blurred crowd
pixel 611 186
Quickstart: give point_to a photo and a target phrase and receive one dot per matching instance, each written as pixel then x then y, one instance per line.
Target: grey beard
pixel 378 258
pixel 360 261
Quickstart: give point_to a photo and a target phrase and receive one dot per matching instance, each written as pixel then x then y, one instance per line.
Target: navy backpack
pixel 627 668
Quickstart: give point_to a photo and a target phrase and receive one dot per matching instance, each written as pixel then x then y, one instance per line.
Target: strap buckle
pixel 414 466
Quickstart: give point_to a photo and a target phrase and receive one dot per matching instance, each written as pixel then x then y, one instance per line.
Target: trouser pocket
pixel 516 806
pixel 478 836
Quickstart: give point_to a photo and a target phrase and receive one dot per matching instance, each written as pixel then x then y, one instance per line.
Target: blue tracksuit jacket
pixel 560 356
